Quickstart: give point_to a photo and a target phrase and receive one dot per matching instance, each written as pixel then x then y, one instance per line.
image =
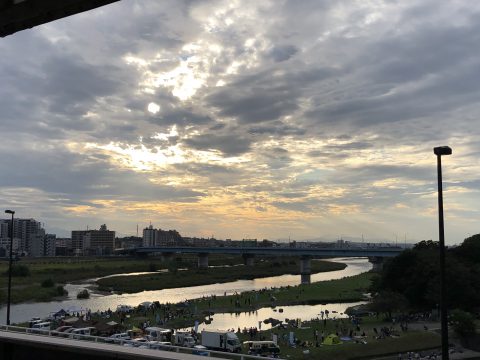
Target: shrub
pixel 61 291
pixel 84 294
pixel 463 323
pixel 152 267
pixel 47 283
pixel 19 271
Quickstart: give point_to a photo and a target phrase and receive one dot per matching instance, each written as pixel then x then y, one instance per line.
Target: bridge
pixel 374 254
pixel 18 343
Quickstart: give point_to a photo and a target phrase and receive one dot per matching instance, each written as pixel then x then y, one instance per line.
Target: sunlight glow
pixel 153 108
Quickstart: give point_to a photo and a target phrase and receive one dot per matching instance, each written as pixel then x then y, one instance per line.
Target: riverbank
pixel 196 277
pixel 59 271
pixel 27 286
pixel 183 315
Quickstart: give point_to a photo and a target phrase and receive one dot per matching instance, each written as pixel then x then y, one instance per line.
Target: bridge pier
pixel 164 257
pixel 305 269
pixel 377 262
pixel 248 259
pixel 202 261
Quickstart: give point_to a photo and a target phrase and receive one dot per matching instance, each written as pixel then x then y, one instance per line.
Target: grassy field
pixel 343 290
pixel 63 270
pixel 406 341
pixel 195 277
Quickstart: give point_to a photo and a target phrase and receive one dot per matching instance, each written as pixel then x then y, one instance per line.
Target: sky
pixel 246 119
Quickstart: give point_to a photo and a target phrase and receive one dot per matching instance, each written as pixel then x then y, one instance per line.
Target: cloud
pixel 263 121
pixel 230 145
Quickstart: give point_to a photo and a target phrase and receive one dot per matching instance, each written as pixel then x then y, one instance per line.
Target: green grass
pixel 348 289
pixel 195 277
pixel 342 290
pixel 63 270
pixel 407 341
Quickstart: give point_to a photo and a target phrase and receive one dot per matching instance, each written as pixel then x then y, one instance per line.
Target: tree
pixel 470 249
pixel 389 302
pixel 416 274
pixel 463 323
pixel 426 244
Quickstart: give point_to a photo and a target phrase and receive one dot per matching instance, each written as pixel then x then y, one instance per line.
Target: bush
pixel 463 323
pixel 61 291
pixel 152 267
pixel 19 271
pixel 84 294
pixel 47 283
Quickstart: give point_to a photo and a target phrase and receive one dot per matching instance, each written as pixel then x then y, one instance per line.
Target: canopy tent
pixel 331 339
pixel 60 313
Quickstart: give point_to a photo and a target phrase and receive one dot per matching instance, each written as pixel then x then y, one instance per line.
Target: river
pixel 24 312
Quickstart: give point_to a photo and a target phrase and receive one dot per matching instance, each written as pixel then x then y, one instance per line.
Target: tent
pixel 60 313
pixel 331 339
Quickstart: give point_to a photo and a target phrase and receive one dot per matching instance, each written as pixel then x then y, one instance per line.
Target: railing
pixel 126 342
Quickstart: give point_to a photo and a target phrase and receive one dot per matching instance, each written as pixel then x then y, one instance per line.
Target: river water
pixel 24 312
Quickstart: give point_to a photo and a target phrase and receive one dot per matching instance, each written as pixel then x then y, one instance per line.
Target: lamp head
pixel 9 212
pixel 442 150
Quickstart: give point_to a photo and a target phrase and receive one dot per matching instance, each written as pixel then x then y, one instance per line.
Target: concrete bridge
pixel 374 254
pixel 17 344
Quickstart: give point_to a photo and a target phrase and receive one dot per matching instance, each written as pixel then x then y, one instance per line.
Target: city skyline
pixel 237 119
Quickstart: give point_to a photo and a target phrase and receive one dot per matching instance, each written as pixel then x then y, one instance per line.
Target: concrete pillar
pixel 249 259
pixel 202 261
pixel 166 257
pixel 305 269
pixel 377 262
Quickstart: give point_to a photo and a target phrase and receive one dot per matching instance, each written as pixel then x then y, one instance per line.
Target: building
pixel 63 247
pixel 149 236
pixel 128 242
pixel 5 246
pixel 93 242
pixel 29 233
pixel 159 237
pixel 79 243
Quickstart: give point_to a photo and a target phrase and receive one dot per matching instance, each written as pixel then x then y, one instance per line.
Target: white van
pixel 158 334
pixel 41 327
pixel 262 347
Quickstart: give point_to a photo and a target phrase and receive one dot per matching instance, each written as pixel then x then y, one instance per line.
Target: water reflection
pixel 24 312
pixel 255 318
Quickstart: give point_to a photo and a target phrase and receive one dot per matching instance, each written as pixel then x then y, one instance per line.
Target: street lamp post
pixel 9 290
pixel 439 151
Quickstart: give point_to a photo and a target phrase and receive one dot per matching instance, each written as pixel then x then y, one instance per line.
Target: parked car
pixel 60 330
pixel 200 350
pixel 117 338
pixel 262 347
pixel 41 327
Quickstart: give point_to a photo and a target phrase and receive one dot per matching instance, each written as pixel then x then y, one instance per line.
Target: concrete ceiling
pixel 18 15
